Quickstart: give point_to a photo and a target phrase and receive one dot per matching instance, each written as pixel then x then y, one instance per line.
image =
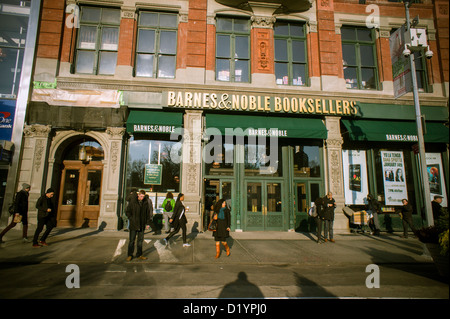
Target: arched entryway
pixel 80 183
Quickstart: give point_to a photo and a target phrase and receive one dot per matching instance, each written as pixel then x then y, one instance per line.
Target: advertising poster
pixel 400 64
pixel 7 113
pixel 435 176
pixel 394 177
pixel 355 177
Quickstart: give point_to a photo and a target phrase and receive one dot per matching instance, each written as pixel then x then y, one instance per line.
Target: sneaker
pixel 26 240
pixel 43 243
pixel 165 241
pixel 36 246
pixel 142 258
pixel 186 245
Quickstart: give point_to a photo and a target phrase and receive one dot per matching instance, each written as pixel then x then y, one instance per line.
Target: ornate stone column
pixel 191 176
pixel 111 178
pixel 32 166
pixel 334 173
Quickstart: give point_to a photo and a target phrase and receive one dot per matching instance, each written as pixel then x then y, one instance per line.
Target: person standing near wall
pixel 328 216
pixel 223 216
pixel 20 208
pixel 138 212
pixel 406 215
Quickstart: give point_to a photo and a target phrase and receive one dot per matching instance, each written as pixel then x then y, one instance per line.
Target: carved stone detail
pixel 37 130
pixel 116 132
pixel 263 22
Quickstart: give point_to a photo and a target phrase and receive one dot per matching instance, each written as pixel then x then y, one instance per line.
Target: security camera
pixel 428 53
pixel 406 52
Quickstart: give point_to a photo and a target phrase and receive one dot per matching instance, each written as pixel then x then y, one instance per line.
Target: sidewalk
pixel 281 248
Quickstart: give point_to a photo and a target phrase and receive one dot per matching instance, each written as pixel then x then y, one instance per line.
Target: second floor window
pixel 290 53
pixel 358 52
pixel 98 41
pixel 233 49
pixel 157 45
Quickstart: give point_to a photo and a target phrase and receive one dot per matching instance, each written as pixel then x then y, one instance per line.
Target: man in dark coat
pixel 46 206
pixel 21 208
pixel 319 218
pixel 139 215
pixel 406 212
pixel 328 215
pixel 373 209
pixel 436 206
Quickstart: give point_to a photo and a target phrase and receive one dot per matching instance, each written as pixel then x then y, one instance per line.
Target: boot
pixel 217 249
pixel 227 248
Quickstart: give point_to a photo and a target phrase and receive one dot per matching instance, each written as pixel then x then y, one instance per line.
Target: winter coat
pixel 407 211
pixel 42 206
pixel 21 202
pixel 139 214
pixel 319 207
pixel 328 211
pixel 222 232
pixel 177 211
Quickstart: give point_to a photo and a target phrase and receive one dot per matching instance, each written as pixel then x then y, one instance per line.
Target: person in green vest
pixel 168 205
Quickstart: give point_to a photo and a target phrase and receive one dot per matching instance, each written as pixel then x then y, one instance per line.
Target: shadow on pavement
pixel 241 288
pixel 309 288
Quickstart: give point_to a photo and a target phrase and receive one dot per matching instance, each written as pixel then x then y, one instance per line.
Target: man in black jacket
pixel 139 214
pixel 406 212
pixel 46 207
pixel 20 208
pixel 329 205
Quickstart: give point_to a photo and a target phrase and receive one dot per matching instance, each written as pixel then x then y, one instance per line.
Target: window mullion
pixel 156 57
pixel 97 48
pixel 232 56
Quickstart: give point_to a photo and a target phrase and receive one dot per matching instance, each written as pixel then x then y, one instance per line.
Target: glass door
pixel 79 201
pixel 214 190
pixel 263 206
pixel 306 192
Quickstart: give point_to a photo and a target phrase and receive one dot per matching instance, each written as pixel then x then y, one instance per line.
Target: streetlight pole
pixel 422 158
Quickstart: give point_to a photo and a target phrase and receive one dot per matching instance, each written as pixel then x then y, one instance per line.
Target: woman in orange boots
pixel 223 216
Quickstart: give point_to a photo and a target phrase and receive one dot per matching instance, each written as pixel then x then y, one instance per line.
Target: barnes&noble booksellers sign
pixel 260 103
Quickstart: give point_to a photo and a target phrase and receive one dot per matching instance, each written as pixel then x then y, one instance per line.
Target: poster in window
pixel 394 177
pixel 435 176
pixel 355 176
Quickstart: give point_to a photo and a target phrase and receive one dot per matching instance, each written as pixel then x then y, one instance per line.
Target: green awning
pixel 394 131
pixel 146 121
pixel 247 125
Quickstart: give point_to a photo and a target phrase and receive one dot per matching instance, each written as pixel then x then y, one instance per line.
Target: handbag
pixel 213 224
pixel 17 218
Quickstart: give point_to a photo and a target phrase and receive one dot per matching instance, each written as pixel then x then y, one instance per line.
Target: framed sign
pixel 153 174
pixel 355 176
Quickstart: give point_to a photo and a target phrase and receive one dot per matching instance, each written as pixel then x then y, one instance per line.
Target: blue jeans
pixel 140 240
pixel 328 229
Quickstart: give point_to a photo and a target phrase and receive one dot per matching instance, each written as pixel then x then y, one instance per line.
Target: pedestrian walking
pixel 46 206
pixel 328 216
pixel 373 208
pixel 223 217
pixel 168 206
pixel 138 213
pixel 319 218
pixel 20 209
pixel 178 220
pixel 406 216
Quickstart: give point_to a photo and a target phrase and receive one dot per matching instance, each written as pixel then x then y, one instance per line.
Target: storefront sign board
pixel 436 177
pixel 394 177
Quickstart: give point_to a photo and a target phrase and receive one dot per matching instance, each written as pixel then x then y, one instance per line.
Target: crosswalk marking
pixel 165 255
pixel 118 251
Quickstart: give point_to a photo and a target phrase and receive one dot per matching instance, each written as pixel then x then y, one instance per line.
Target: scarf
pixel 221 213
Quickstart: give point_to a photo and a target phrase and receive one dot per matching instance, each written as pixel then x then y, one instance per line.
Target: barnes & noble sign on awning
pixel 260 103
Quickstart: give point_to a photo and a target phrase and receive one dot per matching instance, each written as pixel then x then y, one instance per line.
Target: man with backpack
pixel 19 211
pixel 168 205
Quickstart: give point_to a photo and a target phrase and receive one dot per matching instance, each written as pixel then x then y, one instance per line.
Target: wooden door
pixel 79 200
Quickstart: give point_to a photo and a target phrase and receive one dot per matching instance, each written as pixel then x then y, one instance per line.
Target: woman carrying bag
pixel 178 220
pixel 222 216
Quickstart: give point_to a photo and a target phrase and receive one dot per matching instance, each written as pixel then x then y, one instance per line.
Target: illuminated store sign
pixel 260 103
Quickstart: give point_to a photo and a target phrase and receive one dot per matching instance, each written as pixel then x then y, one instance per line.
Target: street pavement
pixel 261 265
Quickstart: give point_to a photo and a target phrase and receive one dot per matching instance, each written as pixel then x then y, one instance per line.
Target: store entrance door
pixel 263 206
pixel 215 189
pixel 79 200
